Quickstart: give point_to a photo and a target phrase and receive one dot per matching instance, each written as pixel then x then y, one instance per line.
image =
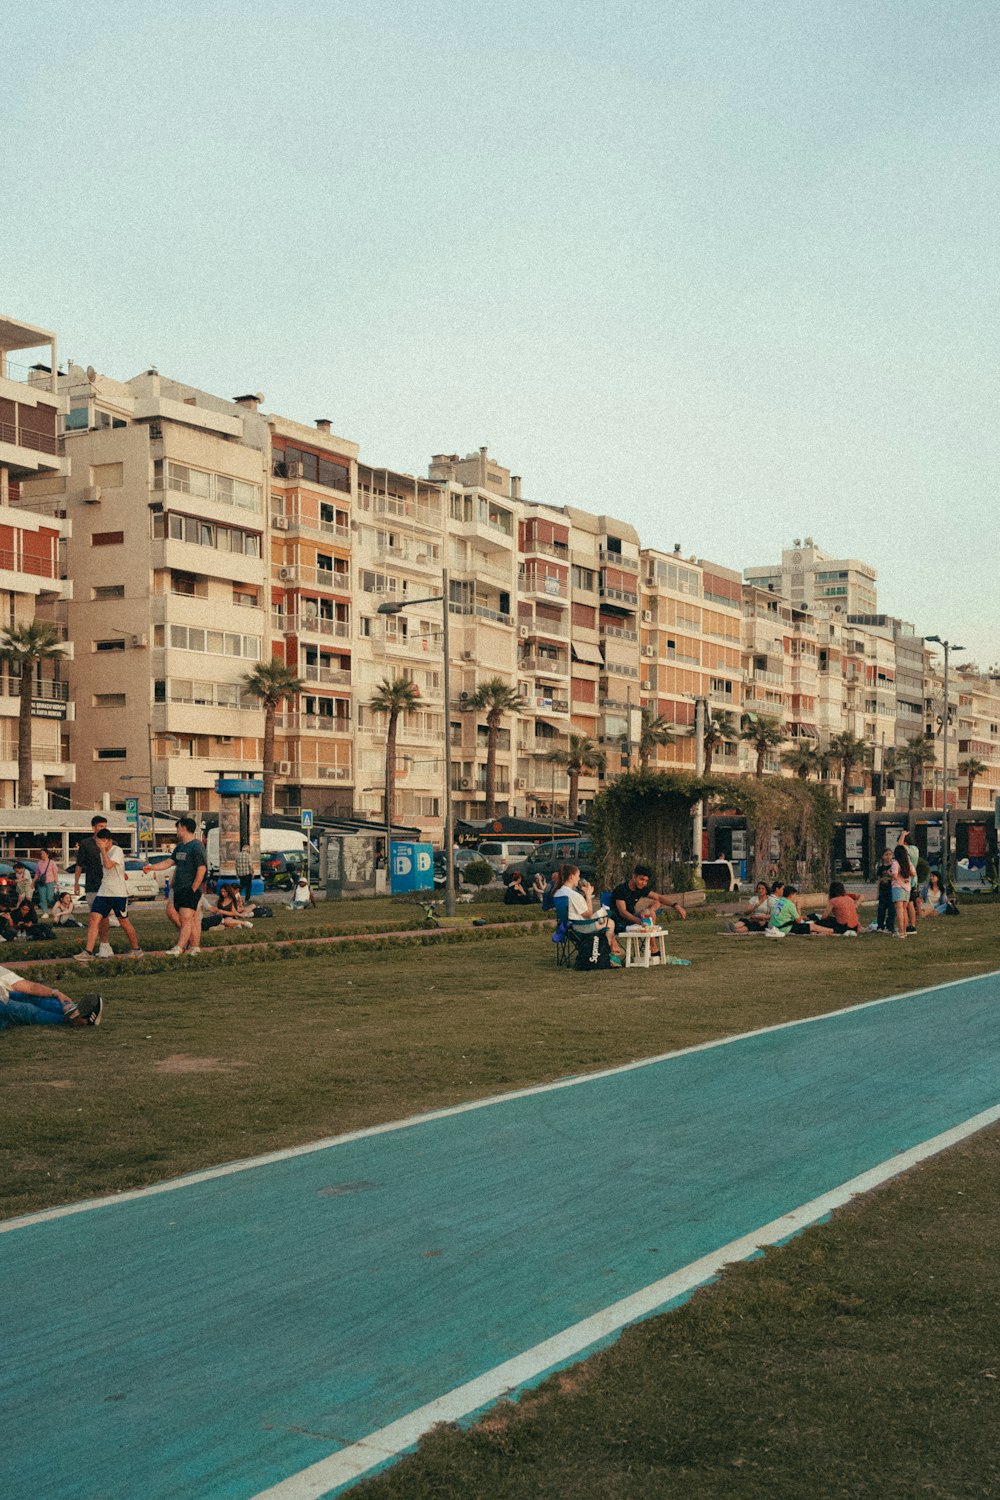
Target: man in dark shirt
pixel 88 864
pixel 190 868
pixel 633 899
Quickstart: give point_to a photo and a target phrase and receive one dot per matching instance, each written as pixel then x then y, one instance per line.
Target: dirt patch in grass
pixel 180 1062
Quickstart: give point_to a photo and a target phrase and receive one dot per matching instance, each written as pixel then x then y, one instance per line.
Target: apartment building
pixel 32 565
pixel 808 577
pixel 544 657
pixel 166 494
pixel 690 643
pixel 313 486
pixel 974 698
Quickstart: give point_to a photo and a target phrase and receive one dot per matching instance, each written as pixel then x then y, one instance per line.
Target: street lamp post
pixel 449 831
pixel 947 648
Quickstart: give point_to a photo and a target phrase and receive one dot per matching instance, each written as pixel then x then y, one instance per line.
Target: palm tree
pixel 393 697
pixel 763 734
pixel 850 752
pixel 971 769
pixel 28 646
pixel 271 683
pixel 912 757
pixel 497 698
pixel 656 730
pixel 581 757
pixel 803 760
pixel 718 731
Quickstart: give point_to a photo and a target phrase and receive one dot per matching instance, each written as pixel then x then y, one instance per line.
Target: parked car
pixel 463 857
pixel 544 858
pixel 281 868
pixel 8 882
pixel 502 853
pixel 141 887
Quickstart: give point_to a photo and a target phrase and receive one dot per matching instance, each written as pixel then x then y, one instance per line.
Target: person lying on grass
pixel 25 1003
pixel 840 919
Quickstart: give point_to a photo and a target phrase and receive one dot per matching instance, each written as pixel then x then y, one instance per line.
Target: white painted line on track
pixel 288 1153
pixel 343 1468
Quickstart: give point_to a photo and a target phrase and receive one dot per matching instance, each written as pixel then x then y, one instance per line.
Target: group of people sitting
pixel 596 923
pixel 774 912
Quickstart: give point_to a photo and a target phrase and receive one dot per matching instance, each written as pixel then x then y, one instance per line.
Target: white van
pixel 503 852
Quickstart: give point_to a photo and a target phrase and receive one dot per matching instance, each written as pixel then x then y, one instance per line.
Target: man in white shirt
pixel 112 898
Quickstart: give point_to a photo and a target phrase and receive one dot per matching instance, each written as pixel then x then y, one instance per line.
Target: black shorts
pixel 188 900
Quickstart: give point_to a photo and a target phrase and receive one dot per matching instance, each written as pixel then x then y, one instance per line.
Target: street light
pixel 390 608
pixel 947 647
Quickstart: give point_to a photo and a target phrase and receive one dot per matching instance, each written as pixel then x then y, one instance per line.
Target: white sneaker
pixel 193 952
pixel 105 950
pixel 174 952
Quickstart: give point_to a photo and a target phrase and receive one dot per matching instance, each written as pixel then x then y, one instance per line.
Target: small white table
pixel 637 942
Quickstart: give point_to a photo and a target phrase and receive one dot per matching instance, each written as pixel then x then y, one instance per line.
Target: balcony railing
pixel 310 624
pixel 481 612
pixel 334 675
pixel 326 723
pixel 337 579
pixel 290 520
pixel 51 692
pixel 552 588
pixel 554 666
pixel 619 596
pixel 304 770
pixel 547 549
pixel 536 625
pixel 617 632
pixel 616 560
pixel 33 567
pixel 23 437
pixel 620 669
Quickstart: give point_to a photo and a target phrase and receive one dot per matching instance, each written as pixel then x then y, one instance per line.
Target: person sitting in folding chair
pixel 590 927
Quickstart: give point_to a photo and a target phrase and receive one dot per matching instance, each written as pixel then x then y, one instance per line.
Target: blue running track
pixel 215 1339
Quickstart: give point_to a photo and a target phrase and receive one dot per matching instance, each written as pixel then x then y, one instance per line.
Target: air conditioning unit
pixel 468 656
pixel 293 470
pixel 647 616
pixel 520 784
pixel 465 784
pixel 651 581
pixel 281 523
pixel 92 494
pixel 464 697
pixel 421 557
pixel 649 650
pixel 286 573
pixel 284 768
pixel 140 640
pixel 225 739
pixel 647 686
pixel 523 632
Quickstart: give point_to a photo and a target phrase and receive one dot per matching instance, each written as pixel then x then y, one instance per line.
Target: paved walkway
pixel 270 1328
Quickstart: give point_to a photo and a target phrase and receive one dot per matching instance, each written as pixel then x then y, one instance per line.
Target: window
pixel 108 476
pixel 214 642
pixel 109 591
pixel 107 538
pixel 109 700
pixel 118 753
pixel 583 578
pixel 246 598
pixel 118 644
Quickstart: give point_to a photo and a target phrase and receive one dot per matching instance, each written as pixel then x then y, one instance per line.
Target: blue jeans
pixel 31 1010
pixel 45 894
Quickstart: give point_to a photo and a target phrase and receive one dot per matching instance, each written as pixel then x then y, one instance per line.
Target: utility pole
pixel 699 770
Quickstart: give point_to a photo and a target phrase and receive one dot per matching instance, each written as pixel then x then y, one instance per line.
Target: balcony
pixel 336 676
pixel 619 596
pixel 547 588
pixel 618 560
pixel 400 508
pixel 324 723
pixel 292 521
pixel 534 625
pixel 542 704
pixel 310 624
pixel 617 632
pixel 548 666
pixel 481 612
pixel 314 771
pixel 619 669
pixel 337 580
pixel 559 550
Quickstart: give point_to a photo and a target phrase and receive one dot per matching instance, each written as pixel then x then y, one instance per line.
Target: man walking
pixel 90 866
pixel 112 898
pixel 244 869
pixel 190 868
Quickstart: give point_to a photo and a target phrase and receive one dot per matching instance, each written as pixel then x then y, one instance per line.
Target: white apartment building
pixel 808 578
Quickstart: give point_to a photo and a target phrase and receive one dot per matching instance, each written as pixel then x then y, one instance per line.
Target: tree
pixel 271 683
pixel 764 733
pixel 655 731
pixel 971 769
pixel 803 760
pixel 718 731
pixel 581 757
pixel 849 751
pixel 497 698
pixel 28 646
pixel 911 758
pixel 392 697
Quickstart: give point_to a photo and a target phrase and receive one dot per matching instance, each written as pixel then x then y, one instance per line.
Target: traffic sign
pixel 131 809
pixel 307 817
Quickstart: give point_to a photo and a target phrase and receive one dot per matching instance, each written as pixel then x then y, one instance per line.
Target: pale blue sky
pixel 725 270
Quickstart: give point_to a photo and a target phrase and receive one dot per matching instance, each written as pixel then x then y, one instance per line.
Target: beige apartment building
pixel 810 578
pixel 33 584
pixel 166 495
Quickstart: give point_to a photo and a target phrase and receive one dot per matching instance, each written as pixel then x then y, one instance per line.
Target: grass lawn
pixel 860 1359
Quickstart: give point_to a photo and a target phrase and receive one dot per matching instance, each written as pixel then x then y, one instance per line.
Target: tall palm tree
pixel 581 757
pixel 393 697
pixel 911 758
pixel 656 730
pixel 971 769
pixel 718 731
pixel 497 698
pixel 764 734
pixel 271 683
pixel 849 751
pixel 28 646
pixel 803 760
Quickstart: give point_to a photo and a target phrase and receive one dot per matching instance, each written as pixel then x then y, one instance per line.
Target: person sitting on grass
pixel 228 910
pixel 840 919
pixel 62 912
pixel 758 912
pixel 25 1003
pixel 515 893
pixel 549 890
pixel 111 899
pixel 785 915
pixel 302 895
pixel 28 924
pixel 934 900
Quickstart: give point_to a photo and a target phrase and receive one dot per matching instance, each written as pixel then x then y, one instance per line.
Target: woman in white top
pixel 580 905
